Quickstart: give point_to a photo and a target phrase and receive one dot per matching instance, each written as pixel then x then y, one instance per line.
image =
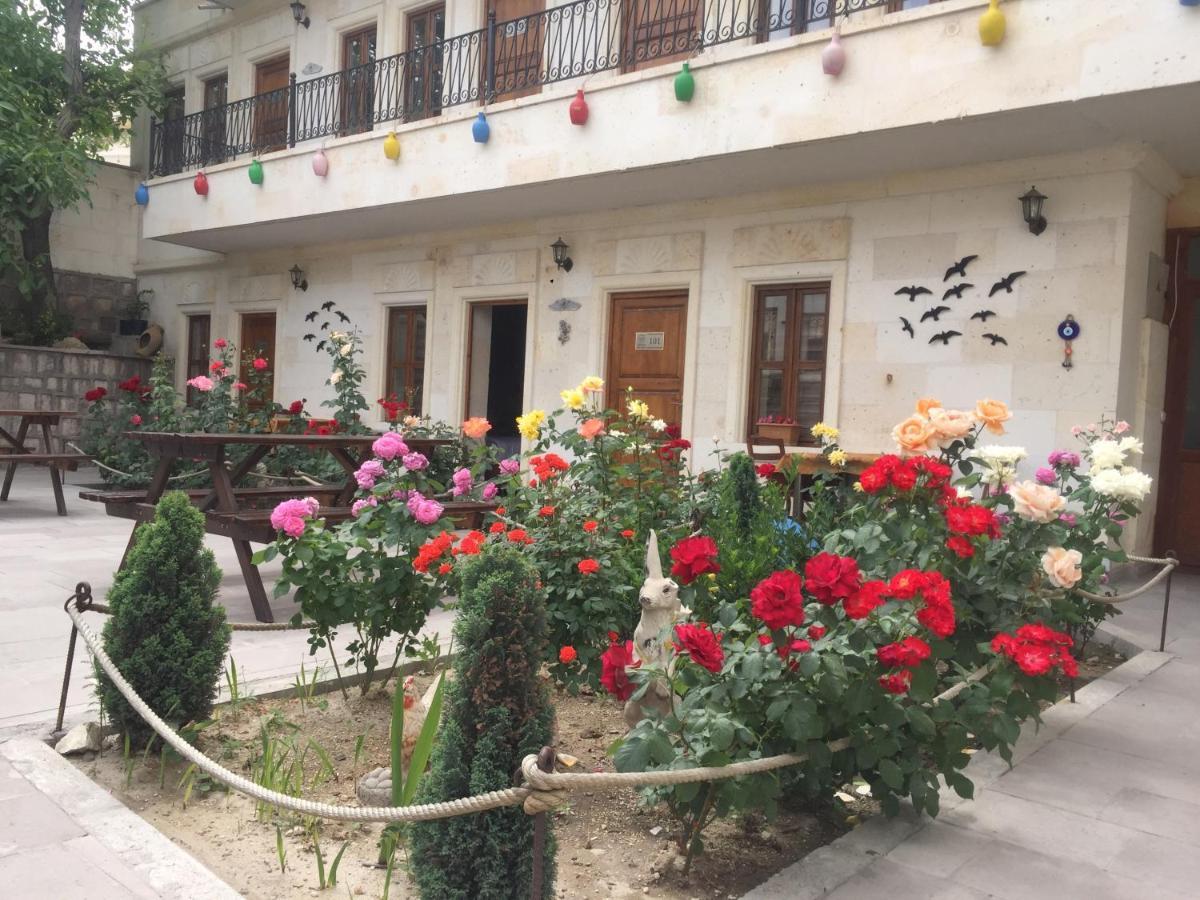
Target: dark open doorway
pixel 496 368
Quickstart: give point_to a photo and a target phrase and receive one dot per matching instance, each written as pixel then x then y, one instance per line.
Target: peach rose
pixel 1062 566
pixel 925 404
pixel 914 435
pixel 993 414
pixel 1036 502
pixel 951 424
pixel 591 427
pixel 476 427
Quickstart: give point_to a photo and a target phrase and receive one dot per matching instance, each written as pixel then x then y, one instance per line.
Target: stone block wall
pixel 47 378
pixel 95 302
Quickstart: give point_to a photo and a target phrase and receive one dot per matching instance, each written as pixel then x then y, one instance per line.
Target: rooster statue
pixel 375 788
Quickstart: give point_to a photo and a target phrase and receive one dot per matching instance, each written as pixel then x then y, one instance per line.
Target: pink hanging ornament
pixel 833 57
pixel 320 164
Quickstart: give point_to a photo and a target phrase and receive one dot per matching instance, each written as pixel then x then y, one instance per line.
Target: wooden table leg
pixel 227 502
pixel 12 466
pixel 239 472
pixel 55 476
pixel 350 464
pixel 158 485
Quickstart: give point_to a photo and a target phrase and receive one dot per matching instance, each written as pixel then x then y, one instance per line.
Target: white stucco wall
pixel 99 237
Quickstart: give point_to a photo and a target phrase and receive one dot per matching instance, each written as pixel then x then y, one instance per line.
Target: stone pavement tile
pixel 12 783
pixel 1144 723
pixel 1040 827
pixel 1170 817
pixel 1165 864
pixel 1022 873
pixel 1178 677
pixel 56 872
pixel 888 880
pixel 939 849
pixel 96 854
pixel 818 874
pixel 33 820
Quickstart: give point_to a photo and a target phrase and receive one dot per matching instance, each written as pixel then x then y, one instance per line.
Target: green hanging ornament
pixel 255 172
pixel 685 85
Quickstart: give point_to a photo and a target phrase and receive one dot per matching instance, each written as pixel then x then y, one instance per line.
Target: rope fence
pixel 302 477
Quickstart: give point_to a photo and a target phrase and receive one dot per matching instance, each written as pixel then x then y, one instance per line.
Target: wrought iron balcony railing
pixel 501 61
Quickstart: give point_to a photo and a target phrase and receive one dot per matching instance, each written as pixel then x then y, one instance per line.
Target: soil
pixel 609 844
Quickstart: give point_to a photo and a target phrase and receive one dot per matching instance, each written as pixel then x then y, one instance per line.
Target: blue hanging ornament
pixel 480 129
pixel 142 195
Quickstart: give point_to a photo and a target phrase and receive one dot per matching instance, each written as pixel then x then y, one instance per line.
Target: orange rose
pixel 1036 502
pixel 925 404
pixel 993 414
pixel 914 435
pixel 951 424
pixel 590 428
pixel 1062 566
pixel 476 427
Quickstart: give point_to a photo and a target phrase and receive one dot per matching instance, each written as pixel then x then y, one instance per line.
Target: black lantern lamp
pixel 299 282
pixel 1031 209
pixel 561 259
pixel 298 13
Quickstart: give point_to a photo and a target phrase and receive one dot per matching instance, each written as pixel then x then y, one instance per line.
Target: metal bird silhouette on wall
pixel 310 337
pixel 341 315
pixel 957 291
pixel 944 337
pixel 1005 283
pixel 312 315
pixel 320 345
pixel 983 315
pixel 328 305
pixel 934 313
pixel 960 267
pixel 995 339
pixel 913 292
pixel 907 326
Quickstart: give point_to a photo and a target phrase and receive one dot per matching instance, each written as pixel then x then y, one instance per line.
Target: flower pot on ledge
pixel 777 431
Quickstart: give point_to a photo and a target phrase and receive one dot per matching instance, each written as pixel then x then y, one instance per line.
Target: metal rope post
pixel 1162 637
pixel 545 762
pixel 82 599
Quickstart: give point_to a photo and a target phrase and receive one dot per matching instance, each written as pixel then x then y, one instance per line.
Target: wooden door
pixel 520 35
pixel 271 105
pixel 216 95
pixel 1177 521
pixel 199 332
pixel 659 31
pixel 406 356
pixel 646 351
pixel 423 78
pixel 173 132
pixel 358 86
pixel 258 340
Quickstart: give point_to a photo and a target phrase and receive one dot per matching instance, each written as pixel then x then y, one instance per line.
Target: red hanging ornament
pixel 201 184
pixel 579 109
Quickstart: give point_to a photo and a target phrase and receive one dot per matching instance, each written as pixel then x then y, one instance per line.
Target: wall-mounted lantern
pixel 1031 209
pixel 298 13
pixel 564 262
pixel 299 282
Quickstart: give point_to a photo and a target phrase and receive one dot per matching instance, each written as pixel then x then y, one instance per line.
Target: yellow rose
pixel 925 404
pixel 572 398
pixel 1036 502
pixel 826 433
pixel 530 424
pixel 993 414
pixel 951 424
pixel 1062 566
pixel 837 457
pixel 593 384
pixel 914 435
pixel 638 409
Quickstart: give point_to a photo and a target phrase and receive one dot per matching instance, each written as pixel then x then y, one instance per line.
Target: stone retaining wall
pixel 47 378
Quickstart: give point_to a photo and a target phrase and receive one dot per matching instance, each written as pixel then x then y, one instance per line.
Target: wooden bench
pixel 68 461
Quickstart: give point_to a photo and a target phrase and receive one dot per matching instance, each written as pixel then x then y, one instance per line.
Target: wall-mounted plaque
pixel 649 340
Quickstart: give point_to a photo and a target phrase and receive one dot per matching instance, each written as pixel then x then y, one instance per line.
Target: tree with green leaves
pixel 70 81
pixel 497 712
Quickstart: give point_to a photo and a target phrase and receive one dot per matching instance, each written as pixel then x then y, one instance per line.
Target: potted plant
pixel 133 319
pixel 780 428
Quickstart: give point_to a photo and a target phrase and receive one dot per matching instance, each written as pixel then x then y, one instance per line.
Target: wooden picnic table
pixel 229 509
pixel 19 454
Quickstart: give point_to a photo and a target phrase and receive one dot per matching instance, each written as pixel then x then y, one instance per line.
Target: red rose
pixel 912 651
pixel 497 528
pixel 938 618
pixel 693 557
pixel 220 343
pixel 896 682
pixel 520 536
pixel 701 645
pixel 830 578
pixel 612 669
pixel 588 567
pixel 904 478
pixel 798 645
pixel 96 393
pixel 765 470
pixel 567 655
pixel 765 640
pixel 132 384
pixel 445 569
pixel 1038 632
pixel 216 366
pixel 135 419
pixel 865 600
pixel 1037 649
pixel 546 512
pixel 873 480
pixel 296 407
pixel 777 601
pixel 816 632
pixel 324 429
pixel 590 525
pixel 960 545
pixel 259 364
pixel 613 637
pixel 627 534
pixel 1034 659
pixel 905 583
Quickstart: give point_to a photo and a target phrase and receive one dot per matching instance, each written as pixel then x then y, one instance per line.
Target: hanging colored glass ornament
pixel 833 57
pixel 141 196
pixel 685 84
pixel 200 183
pixel 480 129
pixel 391 146
pixel 255 171
pixel 320 163
pixel 579 109
pixel 1189 2
pixel 992 25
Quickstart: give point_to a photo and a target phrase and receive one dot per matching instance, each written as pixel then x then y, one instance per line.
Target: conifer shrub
pixel 497 711
pixel 166 634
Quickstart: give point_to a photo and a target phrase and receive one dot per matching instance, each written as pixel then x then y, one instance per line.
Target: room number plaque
pixel 649 340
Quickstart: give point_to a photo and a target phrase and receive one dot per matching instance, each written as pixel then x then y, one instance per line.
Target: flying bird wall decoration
pixel 957 291
pixel 311 316
pixel 328 305
pixel 944 337
pixel 907 326
pixel 1005 283
pixel 983 315
pixel 934 313
pixel 960 267
pixel 995 339
pixel 913 292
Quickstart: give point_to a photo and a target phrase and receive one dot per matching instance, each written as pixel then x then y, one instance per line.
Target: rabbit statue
pixel 661 609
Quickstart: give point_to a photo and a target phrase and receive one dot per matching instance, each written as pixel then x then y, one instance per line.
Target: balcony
pixel 501 61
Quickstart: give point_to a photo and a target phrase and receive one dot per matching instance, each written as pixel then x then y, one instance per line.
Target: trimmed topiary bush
pixel 497 711
pixel 166 634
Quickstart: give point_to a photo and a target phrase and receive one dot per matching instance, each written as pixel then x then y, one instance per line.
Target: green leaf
pixel 921 724
pixel 891 774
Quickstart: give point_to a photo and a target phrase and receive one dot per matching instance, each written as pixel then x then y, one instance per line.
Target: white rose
pixel 994 454
pixel 658 424
pixel 1130 445
pixel 335 377
pixel 1106 455
pixel 1129 484
pixel 347 349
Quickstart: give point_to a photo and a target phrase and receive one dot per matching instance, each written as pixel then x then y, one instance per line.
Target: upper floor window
pixel 358 85
pixel 213 126
pixel 423 79
pixel 787 376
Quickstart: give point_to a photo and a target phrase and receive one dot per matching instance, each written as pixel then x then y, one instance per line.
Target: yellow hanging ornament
pixel 391 146
pixel 991 25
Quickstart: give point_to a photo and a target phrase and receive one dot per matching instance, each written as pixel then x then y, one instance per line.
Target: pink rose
pixel 1036 502
pixel 415 461
pixel 951 424
pixel 389 446
pixel 423 509
pixel 462 482
pixel 510 466
pixel 1062 566
pixel 290 515
pixel 359 505
pixel 259 364
pixel 220 343
pixel 489 491
pixel 135 419
pixel 1121 427
pixel 368 472
pixel 1045 475
pixel 202 383
pixel 590 428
